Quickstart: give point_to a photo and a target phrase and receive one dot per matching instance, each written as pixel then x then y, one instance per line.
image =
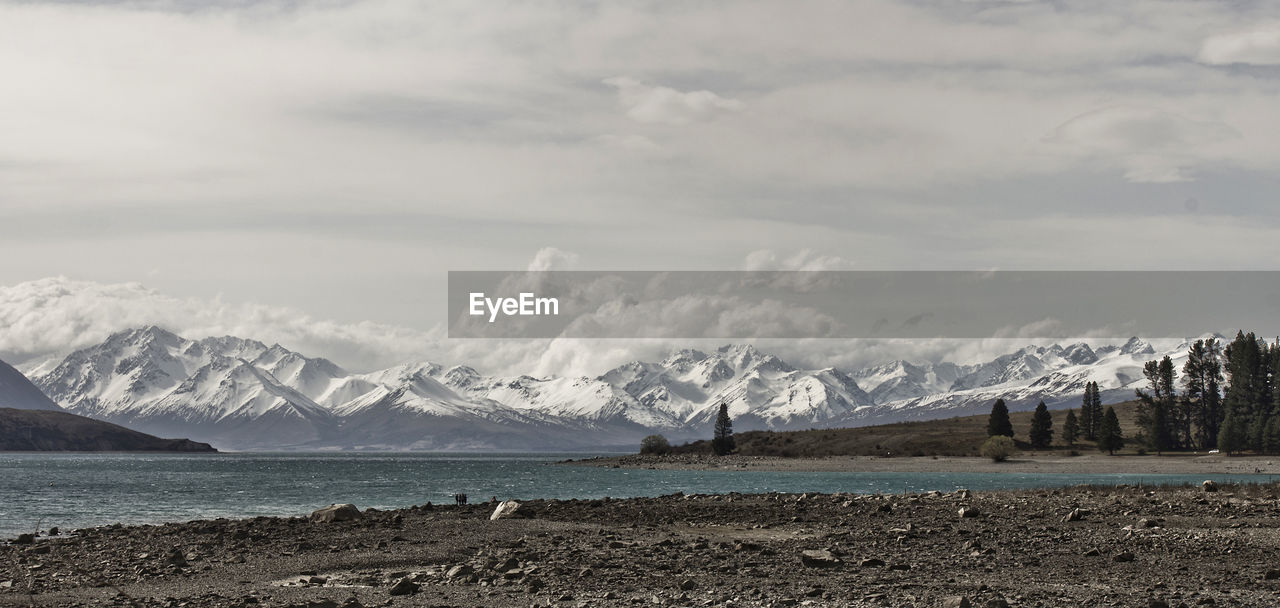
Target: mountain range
pixel 239 393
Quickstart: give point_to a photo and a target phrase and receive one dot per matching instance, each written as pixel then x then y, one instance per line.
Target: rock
pixel 997 602
pixel 336 512
pixel 506 565
pixel 1146 523
pixel 1123 557
pixel 956 601
pixel 968 512
pixel 871 562
pixel 1092 552
pixel 1271 575
pixel 1209 486
pixel 460 570
pixel 24 539
pixel 177 558
pixel 1157 603
pixel 404 586
pixel 54 531
pixel 819 558
pixel 1074 515
pixel 6 584
pixel 508 509
pixel 688 585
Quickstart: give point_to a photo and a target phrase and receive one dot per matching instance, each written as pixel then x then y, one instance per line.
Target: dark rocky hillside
pixel 43 431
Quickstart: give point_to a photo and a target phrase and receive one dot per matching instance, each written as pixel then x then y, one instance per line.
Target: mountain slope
pixel 40 430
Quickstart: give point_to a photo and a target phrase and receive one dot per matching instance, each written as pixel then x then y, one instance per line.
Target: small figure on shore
pixel 493 500
pixel 460 499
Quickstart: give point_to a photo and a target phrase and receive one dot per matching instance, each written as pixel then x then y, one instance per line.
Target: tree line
pixel 1094 424
pixel 1195 411
pixel 1223 397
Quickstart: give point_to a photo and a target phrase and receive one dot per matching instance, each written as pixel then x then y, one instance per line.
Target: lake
pixel 79 490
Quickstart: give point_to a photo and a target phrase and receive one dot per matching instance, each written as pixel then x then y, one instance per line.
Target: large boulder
pixel 332 513
pixel 508 509
pixel 819 558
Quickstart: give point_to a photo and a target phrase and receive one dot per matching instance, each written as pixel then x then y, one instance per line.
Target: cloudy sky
pixel 309 171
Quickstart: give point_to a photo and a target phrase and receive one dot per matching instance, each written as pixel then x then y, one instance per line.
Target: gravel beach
pixel 1126 546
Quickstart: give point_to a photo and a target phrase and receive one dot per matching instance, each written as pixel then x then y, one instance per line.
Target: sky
pixel 310 171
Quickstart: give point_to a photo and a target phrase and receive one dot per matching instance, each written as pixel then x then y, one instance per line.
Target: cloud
pixel 1256 47
pixel 663 105
pixel 54 316
pixel 804 260
pixel 49 317
pixel 1151 145
pixel 550 258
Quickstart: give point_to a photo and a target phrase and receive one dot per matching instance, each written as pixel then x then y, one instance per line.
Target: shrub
pixel 998 448
pixel 654 444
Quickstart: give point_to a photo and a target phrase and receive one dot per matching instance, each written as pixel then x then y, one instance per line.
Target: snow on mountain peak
pixel 240 392
pixel 1137 346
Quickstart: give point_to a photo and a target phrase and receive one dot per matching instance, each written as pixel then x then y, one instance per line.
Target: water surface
pixel 79 490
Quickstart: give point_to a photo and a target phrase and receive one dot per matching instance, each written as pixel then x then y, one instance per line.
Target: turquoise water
pixel 79 490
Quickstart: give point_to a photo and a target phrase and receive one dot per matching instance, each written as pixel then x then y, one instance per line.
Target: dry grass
pixel 960 436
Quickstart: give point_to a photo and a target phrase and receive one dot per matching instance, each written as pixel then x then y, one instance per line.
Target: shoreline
pixel 1069 546
pixel 1048 463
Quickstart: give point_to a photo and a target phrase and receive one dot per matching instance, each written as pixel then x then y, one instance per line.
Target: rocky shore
pixel 1126 546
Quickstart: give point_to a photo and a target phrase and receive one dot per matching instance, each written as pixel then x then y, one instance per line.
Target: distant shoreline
pixel 1085 464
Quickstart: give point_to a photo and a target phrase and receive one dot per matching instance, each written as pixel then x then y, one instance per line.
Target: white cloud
pixel 56 315
pixel 1151 145
pixel 663 105
pixel 550 258
pixel 1255 47
pixel 804 260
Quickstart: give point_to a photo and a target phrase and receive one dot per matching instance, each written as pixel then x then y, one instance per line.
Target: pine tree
pixel 1097 408
pixel 1093 405
pixel 1110 438
pixel 722 442
pixel 1070 429
pixel 1271 436
pixel 1234 436
pixel 1247 399
pixel 1157 409
pixel 1201 397
pixel 1041 434
pixel 1086 413
pixel 998 423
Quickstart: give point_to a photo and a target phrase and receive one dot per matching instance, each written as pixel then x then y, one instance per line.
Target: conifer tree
pixel 1157 409
pixel 722 442
pixel 1202 397
pixel 1041 434
pixel 1110 438
pixel 1097 408
pixel 1070 429
pixel 1086 413
pixel 1234 436
pixel 998 423
pixel 1247 400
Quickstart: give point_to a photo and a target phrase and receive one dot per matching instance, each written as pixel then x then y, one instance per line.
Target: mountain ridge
pixel 242 394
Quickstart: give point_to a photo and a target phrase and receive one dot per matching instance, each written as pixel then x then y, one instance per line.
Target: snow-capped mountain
pixel 242 394
pixel 219 389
